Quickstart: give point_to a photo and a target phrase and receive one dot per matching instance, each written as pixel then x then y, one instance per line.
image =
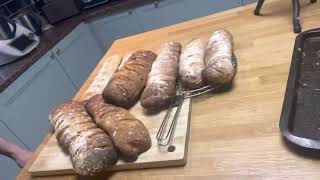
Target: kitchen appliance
pixel 57 10
pixel 18 42
pixel 91 3
pixel 7 28
pixel 30 21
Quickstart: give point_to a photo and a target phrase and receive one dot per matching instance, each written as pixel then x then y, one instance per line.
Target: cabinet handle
pixel 130 12
pixel 156 4
pixel 52 55
pixel 58 52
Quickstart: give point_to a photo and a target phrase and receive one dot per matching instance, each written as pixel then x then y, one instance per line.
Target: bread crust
pixel 90 148
pixel 218 59
pixel 128 134
pixel 161 85
pixel 126 85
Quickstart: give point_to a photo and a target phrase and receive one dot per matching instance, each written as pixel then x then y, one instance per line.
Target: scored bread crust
pixel 128 134
pixel 161 85
pixel 192 64
pixel 218 58
pixel 90 148
pixel 127 83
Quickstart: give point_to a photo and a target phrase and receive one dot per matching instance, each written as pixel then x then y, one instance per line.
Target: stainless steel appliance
pixel 30 21
pixel 91 3
pixel 7 28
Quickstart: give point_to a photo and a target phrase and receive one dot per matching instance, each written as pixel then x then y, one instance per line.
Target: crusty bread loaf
pixel 90 148
pixel 192 64
pixel 127 83
pixel 218 59
pixel 161 84
pixel 128 134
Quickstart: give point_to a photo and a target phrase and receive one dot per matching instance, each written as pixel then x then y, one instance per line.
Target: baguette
pixel 161 84
pixel 128 134
pixel 218 59
pixel 191 64
pixel 90 148
pixel 126 85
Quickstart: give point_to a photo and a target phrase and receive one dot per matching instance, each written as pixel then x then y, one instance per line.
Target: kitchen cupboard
pixel 78 53
pixel 26 103
pixel 9 169
pixel 245 2
pixel 168 12
pixel 106 29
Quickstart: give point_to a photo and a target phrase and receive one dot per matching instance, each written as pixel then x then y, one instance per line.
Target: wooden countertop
pixel 234 135
pixel 10 72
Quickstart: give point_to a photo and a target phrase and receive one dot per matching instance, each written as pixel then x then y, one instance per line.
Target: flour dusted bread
pixel 128 134
pixel 161 84
pixel 191 64
pixel 126 85
pixel 218 58
pixel 90 148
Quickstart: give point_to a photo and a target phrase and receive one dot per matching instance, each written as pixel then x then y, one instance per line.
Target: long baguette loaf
pixel 128 134
pixel 218 58
pixel 192 64
pixel 161 84
pixel 90 148
pixel 127 83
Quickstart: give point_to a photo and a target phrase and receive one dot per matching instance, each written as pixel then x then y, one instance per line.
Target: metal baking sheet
pixel 300 117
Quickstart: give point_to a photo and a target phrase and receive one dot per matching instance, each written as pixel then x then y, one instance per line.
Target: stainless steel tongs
pixel 166 139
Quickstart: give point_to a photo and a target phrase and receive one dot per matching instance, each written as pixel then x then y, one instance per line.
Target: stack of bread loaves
pixel 99 131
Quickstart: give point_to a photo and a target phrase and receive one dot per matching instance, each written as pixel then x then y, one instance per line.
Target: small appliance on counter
pixel 29 20
pixel 15 41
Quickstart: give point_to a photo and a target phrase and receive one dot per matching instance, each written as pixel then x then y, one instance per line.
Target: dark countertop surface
pixel 10 72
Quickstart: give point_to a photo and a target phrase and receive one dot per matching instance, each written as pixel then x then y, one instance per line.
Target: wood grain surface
pixel 234 135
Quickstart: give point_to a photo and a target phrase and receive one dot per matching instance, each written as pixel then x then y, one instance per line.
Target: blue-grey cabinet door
pixel 79 53
pixel 9 169
pixel 107 29
pixel 169 12
pixel 245 2
pixel 25 105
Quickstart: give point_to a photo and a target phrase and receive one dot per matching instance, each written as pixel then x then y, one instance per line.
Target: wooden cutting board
pixel 53 161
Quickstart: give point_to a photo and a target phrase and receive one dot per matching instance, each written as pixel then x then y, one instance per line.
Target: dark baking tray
pixel 300 117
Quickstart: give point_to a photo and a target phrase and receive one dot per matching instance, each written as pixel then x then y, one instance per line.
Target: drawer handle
pixel 130 12
pixel 156 4
pixel 58 52
pixel 52 55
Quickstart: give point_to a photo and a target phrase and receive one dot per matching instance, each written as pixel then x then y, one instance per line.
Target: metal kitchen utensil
pixel 166 139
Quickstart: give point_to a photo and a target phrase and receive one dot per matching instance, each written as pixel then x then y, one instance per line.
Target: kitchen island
pixel 235 134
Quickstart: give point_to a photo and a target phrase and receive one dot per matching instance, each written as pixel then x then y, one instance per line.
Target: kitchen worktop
pixel 235 134
pixel 10 72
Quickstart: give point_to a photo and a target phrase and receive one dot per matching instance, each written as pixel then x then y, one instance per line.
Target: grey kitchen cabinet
pixel 78 53
pixel 245 2
pixel 26 103
pixel 106 29
pixel 169 12
pixel 9 169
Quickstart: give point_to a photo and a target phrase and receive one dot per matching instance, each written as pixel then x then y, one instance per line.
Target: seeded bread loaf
pixel 128 134
pixel 192 64
pixel 161 84
pixel 218 59
pixel 127 83
pixel 90 148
